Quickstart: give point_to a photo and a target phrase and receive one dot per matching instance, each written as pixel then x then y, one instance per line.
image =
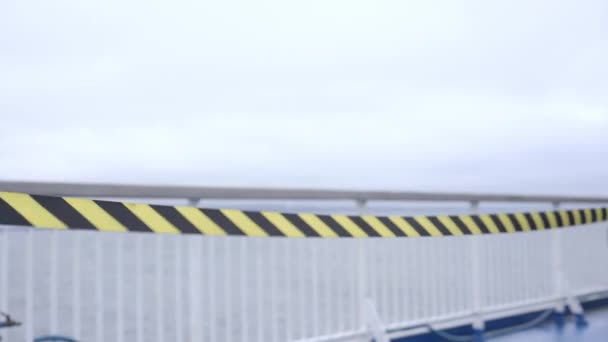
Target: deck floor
pixel 597 331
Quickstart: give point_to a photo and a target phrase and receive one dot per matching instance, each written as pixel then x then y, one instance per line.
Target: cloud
pixel 410 95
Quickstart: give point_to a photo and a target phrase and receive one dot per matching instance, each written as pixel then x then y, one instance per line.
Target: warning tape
pixel 78 213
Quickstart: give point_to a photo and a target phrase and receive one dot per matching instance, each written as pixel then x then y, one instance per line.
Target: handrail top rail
pixel 100 190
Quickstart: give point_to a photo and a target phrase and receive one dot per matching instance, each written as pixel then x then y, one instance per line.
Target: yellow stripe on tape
pixel 428 225
pixel 94 214
pixel 31 210
pixel 588 218
pixel 487 220
pixel 282 224
pixel 598 214
pixel 565 218
pixel 450 225
pixel 321 228
pixel 523 223
pixel 507 223
pixel 552 219
pixel 407 229
pixel 577 217
pixel 378 226
pixel 349 225
pixel 201 221
pixel 151 218
pixel 244 223
pixel 470 224
pixel 538 221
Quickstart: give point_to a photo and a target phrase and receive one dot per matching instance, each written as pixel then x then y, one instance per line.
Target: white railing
pixel 143 287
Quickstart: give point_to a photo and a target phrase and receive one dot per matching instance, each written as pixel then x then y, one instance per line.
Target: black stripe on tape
pixel 480 224
pixel 463 227
pixel 443 229
pixel 545 219
pixel 176 218
pixel 498 223
pixel 333 225
pixel 417 226
pixel 558 218
pixel 10 216
pixel 364 226
pixel 221 220
pixel 571 217
pixel 531 222
pixel 391 226
pixel 264 223
pixel 62 210
pixel 515 223
pixel 123 215
pixel 301 225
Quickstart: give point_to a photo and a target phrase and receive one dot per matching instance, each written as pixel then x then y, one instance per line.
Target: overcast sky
pixel 508 96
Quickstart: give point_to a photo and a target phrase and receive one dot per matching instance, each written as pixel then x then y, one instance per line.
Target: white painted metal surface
pixel 140 287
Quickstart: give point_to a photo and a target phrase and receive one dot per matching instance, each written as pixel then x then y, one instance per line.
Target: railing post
pixel 76 290
pixel 558 276
pixel 3 274
pixel 29 285
pixel 476 288
pixel 53 282
pixel 373 323
pixel 362 272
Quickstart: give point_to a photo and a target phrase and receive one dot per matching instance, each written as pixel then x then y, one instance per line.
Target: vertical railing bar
pixel 99 301
pixel 444 299
pixel 139 311
pixel 289 284
pixel 386 280
pixel 179 305
pixel 4 243
pixel 354 299
pixel 212 282
pixel 324 264
pixel 403 269
pixel 476 274
pixel 504 289
pixel 330 301
pixel 227 253
pixel 558 268
pixel 195 275
pixel 76 312
pixel 428 280
pixel 245 281
pixel 53 282
pixel 372 274
pixel 302 261
pixel 362 276
pixel 260 291
pixel 29 286
pixel 158 267
pixel 342 309
pixel 120 319
pixel 416 297
pixel 487 280
pixel 274 306
pixel 315 289
pixel 395 279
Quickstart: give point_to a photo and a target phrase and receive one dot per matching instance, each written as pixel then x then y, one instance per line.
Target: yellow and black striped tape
pixel 77 213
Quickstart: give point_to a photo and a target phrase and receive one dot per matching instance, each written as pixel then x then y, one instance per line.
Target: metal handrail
pixel 99 190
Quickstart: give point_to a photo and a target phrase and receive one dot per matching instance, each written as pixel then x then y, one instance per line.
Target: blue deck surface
pixel 596 314
pixel 596 331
